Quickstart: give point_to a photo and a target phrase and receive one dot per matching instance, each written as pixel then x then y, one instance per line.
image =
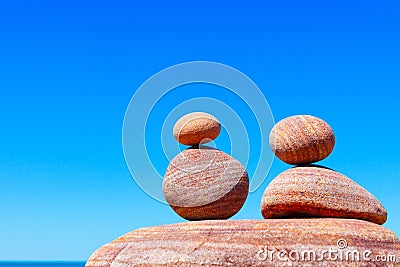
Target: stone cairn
pixel 314 216
pixel 311 191
pixel 202 182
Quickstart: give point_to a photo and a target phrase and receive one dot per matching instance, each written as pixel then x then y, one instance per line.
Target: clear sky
pixel 68 70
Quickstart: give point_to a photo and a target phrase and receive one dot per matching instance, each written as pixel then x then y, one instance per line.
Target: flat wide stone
pixel 274 242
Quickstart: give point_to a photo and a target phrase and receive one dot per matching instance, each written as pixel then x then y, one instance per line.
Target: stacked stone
pixel 314 215
pixel 311 191
pixel 202 182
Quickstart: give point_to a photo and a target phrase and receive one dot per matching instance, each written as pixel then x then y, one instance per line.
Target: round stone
pixel 205 183
pixel 302 139
pixel 314 192
pixel 196 128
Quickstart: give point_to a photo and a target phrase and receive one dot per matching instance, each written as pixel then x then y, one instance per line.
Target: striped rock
pixel 313 191
pixel 291 242
pixel 302 139
pixel 205 183
pixel 196 128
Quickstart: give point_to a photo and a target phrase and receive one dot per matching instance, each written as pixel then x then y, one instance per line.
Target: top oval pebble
pixel 302 139
pixel 196 128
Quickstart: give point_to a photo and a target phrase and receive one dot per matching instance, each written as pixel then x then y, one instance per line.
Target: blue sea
pixel 42 263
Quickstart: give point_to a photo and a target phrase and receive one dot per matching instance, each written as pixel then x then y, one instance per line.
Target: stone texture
pixel 244 243
pixel 313 191
pixel 302 139
pixel 196 128
pixel 205 183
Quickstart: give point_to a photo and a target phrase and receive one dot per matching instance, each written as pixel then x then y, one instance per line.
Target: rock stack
pixel 202 182
pixel 314 216
pixel 311 191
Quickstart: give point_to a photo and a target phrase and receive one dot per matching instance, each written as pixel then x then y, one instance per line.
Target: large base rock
pixel 275 242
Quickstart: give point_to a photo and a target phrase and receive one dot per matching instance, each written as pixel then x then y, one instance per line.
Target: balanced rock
pixel 291 242
pixel 302 139
pixel 196 128
pixel 313 191
pixel 205 183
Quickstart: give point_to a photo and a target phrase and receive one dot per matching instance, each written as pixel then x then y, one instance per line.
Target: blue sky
pixel 68 70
